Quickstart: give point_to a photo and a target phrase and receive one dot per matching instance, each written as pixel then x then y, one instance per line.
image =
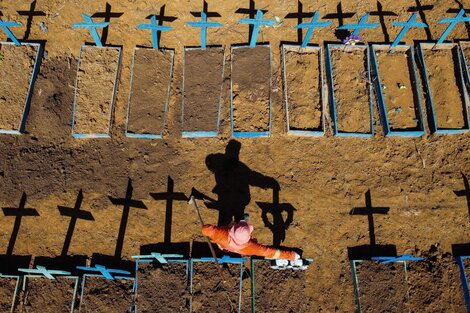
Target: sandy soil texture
pixel 7 290
pixel 103 295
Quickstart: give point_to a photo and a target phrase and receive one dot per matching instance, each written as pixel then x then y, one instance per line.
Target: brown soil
pixel 150 90
pixel 446 94
pixel 7 290
pixel 303 85
pixel 162 288
pixel 95 87
pixel 203 81
pixel 16 68
pixel 251 75
pixel 280 290
pixel 103 295
pixel 210 294
pixel 382 287
pixel 44 295
pixel 397 88
pixel 351 90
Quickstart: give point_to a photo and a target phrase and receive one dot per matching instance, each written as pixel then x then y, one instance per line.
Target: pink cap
pixel 240 234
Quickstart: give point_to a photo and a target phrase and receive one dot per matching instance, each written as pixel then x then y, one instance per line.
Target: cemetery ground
pixel 321 178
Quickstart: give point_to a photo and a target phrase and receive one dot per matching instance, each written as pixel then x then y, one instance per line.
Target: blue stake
pixel 154 28
pixel 314 23
pixel 460 18
pixel 4 25
pixel 41 270
pixel 204 24
pixel 92 26
pixel 401 258
pixel 359 26
pixel 162 258
pixel 257 22
pixel 406 27
pixel 105 272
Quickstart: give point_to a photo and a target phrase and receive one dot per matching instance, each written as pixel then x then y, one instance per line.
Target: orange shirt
pixel 220 236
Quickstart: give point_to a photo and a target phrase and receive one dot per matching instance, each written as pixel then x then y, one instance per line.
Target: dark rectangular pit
pixel 202 91
pixel 152 71
pixel 350 90
pixel 9 287
pixel 18 69
pixel 303 82
pixel 102 295
pixel 162 287
pixel 251 91
pixel 95 89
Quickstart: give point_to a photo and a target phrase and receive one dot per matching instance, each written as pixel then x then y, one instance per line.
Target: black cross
pixel 251 11
pixel 169 196
pixel 369 210
pixel 18 212
pixel 299 15
pixel 30 14
pixel 420 9
pixel 465 192
pixel 107 15
pixel 205 9
pixel 382 14
pixel 74 213
pixel 127 202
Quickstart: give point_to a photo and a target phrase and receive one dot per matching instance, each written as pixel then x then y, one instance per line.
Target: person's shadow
pixel 233 180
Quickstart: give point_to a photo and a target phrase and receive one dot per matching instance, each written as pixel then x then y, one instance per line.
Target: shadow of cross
pixel 127 204
pixel 420 9
pixel 251 11
pixel 205 9
pixel 74 213
pixel 108 14
pixel 382 14
pixel 340 16
pixel 369 210
pixel 18 212
pixel 465 192
pixel 169 196
pixel 300 15
pixel 30 14
pixel 278 226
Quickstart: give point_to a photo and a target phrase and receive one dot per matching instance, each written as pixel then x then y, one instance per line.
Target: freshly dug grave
pixel 46 295
pixel 442 68
pixel 209 293
pixel 103 295
pixel 16 69
pixel 203 79
pixel 382 287
pixel 280 290
pixel 151 80
pixel 162 288
pixel 401 102
pixel 95 89
pixel 251 88
pixel 7 290
pixel 351 90
pixel 303 88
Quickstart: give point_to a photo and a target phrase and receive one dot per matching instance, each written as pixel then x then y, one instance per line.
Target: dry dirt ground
pixel 322 178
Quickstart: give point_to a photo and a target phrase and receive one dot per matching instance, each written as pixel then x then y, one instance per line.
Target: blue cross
pixel 43 271
pixel 406 27
pixel 225 259
pixel 404 257
pixel 359 26
pixel 162 258
pixel 154 28
pixel 204 24
pixel 314 23
pixel 4 25
pixel 105 272
pixel 460 18
pixel 92 26
pixel 257 22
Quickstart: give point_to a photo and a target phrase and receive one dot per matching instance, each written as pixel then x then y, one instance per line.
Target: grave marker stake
pixel 204 25
pixel 92 26
pixel 256 22
pixel 314 23
pixel 105 272
pixel 155 29
pixel 459 18
pixel 406 27
pixel 5 27
pixel 41 270
pixel 360 26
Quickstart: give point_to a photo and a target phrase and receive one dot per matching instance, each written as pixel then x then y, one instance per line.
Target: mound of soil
pixel 162 288
pixel 7 290
pixel 103 295
pixel 45 295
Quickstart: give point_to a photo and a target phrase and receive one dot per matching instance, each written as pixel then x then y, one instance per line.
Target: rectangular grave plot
pixel 209 293
pixel 9 288
pixel 349 89
pixel 435 286
pixel 303 81
pixel 44 295
pixel 445 91
pixel 152 70
pixel 381 287
pixel 279 290
pixel 95 89
pixel 397 88
pixel 19 66
pixel 251 91
pixel 162 287
pixel 102 295
pixel 202 91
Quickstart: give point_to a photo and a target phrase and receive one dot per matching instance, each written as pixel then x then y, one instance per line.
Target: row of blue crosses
pixel 257 22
